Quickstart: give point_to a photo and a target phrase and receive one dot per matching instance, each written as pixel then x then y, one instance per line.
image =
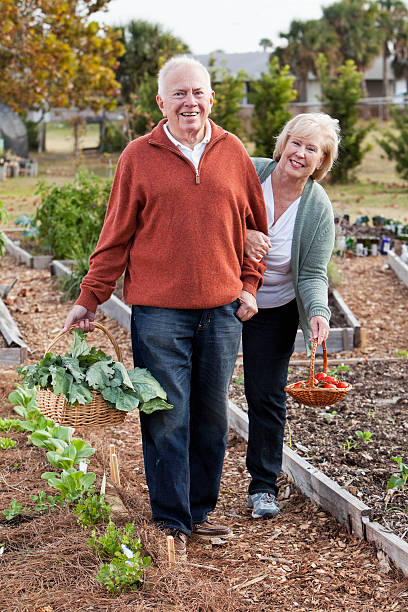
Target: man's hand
pixel 248 306
pixel 81 317
pixel 320 329
pixel 257 245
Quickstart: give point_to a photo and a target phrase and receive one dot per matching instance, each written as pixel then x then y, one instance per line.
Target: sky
pixel 233 26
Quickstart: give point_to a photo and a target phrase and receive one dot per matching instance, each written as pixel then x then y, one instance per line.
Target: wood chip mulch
pixel 303 560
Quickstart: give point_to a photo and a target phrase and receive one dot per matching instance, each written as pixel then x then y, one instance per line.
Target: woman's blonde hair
pixel 306 125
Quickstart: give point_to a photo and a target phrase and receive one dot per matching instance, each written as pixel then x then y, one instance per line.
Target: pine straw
pixel 53 565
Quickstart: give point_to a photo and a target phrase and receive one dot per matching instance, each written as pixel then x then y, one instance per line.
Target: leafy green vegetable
pixel 76 374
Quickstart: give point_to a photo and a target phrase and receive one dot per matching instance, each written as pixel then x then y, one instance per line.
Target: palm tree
pixel 393 23
pixel 265 43
pixel 306 39
pixel 355 23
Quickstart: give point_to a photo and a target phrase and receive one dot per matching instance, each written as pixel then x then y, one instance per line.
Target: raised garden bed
pixel 327 449
pixel 400 268
pixel 114 307
pixel 13 349
pixel 38 262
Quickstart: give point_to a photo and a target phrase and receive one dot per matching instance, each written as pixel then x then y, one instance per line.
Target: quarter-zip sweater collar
pixel 178 233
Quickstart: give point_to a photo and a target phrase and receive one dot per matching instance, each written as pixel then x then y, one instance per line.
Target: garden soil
pixel 302 560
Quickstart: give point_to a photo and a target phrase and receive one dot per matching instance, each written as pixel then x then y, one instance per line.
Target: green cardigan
pixel 312 246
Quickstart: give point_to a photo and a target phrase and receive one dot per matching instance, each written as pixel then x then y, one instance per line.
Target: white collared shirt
pixel 194 155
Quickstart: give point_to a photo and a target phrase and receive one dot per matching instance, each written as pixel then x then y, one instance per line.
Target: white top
pixel 194 155
pixel 277 288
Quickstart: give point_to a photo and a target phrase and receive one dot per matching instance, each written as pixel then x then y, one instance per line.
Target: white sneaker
pixel 264 505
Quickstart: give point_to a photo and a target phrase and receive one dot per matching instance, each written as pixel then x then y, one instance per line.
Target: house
pixel 256 62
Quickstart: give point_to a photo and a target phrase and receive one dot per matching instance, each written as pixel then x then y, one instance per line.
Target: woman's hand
pixel 256 245
pixel 320 329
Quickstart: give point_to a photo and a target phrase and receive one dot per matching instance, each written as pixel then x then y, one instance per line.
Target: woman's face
pixel 302 155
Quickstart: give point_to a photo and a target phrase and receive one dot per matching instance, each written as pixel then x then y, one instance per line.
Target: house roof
pixel 257 61
pixel 252 63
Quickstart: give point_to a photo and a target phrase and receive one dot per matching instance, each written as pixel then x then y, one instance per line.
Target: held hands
pixel 248 306
pixel 81 317
pixel 257 245
pixel 320 329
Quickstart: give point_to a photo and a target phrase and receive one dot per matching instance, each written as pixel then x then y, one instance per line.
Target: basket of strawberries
pixel 319 390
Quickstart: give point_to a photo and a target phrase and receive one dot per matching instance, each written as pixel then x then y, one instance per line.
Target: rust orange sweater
pixel 178 234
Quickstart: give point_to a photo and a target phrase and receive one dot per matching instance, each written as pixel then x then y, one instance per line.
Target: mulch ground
pixel 301 560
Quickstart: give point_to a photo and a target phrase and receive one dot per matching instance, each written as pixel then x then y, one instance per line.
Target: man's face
pixel 186 102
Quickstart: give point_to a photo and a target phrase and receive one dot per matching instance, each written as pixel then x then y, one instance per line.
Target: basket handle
pixel 312 362
pixel 99 326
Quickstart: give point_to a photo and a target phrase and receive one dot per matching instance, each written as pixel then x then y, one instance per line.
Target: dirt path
pixel 303 560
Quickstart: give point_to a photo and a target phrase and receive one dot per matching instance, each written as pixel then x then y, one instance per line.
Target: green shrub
pixel 70 217
pixel 114 138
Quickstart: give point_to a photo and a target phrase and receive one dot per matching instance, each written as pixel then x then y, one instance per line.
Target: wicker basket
pixel 316 396
pixel 95 414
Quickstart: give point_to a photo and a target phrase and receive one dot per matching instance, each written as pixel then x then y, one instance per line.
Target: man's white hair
pixel 178 62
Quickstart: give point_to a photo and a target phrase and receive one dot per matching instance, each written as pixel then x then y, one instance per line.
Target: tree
pixel 340 95
pixel 271 95
pixel 51 55
pixel 393 24
pixel 229 91
pixel 306 39
pixel 265 43
pixel 147 48
pixel 355 23
pixel 395 141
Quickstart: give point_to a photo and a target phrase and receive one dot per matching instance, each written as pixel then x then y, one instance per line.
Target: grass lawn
pixel 377 189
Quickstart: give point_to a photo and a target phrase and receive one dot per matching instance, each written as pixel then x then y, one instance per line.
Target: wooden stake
pixel 171 556
pixel 115 469
pixel 111 450
pixel 363 337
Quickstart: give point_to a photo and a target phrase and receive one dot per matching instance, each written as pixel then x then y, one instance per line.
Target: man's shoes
pixel 180 542
pixel 208 530
pixel 264 505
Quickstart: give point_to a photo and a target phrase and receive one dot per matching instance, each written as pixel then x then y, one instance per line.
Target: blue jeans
pixel 192 354
pixel 268 341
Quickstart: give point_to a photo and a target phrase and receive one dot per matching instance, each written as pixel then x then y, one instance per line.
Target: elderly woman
pixel 295 290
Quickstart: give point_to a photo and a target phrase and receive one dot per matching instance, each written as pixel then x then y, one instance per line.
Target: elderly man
pixel 176 222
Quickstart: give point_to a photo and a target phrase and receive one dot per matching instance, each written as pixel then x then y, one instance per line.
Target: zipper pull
pixel 197 178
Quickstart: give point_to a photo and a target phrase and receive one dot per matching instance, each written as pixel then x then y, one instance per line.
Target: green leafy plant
pixel 73 453
pixel 24 400
pixel 71 484
pixel 6 443
pixel 402 353
pixel 124 572
pixel 92 509
pixel 366 436
pixel 330 416
pixel 350 444
pixel 399 481
pixel 10 425
pixel 31 231
pixel 54 437
pixel 75 210
pixel 106 545
pixel 15 509
pixel 126 568
pixel 87 369
pixel 339 369
pixel 44 502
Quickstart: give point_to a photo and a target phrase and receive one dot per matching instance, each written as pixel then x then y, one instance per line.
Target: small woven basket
pixel 95 414
pixel 316 396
